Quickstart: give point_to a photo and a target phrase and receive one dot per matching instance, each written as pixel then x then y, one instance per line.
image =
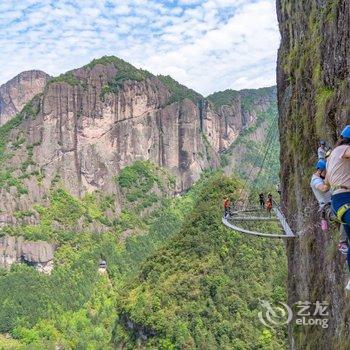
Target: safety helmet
pixel 323 142
pixel 321 165
pixel 346 132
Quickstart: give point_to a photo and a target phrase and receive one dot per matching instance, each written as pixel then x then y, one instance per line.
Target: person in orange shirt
pixel 226 207
pixel 268 204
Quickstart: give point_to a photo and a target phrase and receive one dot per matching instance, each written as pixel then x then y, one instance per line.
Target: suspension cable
pixel 270 139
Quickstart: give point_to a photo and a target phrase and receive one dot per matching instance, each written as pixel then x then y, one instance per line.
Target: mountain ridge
pixel 89 123
pixel 19 90
pixel 112 169
pixel 133 74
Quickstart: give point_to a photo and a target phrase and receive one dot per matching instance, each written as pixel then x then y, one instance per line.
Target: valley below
pixel 111 187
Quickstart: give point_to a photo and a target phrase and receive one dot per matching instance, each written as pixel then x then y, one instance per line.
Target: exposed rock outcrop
pixel 314 104
pixel 15 250
pixel 236 111
pixel 249 118
pixel 18 91
pixel 93 121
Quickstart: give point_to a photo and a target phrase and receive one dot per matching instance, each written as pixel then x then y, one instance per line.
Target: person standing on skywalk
pixel 262 200
pixel 268 205
pixel 226 207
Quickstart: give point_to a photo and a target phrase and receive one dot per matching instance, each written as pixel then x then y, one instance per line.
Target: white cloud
pixel 122 9
pixel 208 45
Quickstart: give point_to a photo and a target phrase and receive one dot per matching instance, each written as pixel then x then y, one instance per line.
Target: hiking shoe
pixel 343 248
pixel 348 286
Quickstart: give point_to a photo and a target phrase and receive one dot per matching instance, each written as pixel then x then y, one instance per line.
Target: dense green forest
pixel 178 92
pixel 179 277
pixel 202 288
pixel 75 306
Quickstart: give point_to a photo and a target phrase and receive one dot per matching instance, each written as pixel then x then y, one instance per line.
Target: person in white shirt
pixel 321 151
pixel 320 190
pixel 323 196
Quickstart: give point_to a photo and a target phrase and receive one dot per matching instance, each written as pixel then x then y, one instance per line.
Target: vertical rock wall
pixel 91 122
pixel 314 103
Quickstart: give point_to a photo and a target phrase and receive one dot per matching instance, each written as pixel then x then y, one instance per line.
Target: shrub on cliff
pixel 178 92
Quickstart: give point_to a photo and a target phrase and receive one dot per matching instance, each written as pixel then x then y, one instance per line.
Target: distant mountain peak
pixel 18 91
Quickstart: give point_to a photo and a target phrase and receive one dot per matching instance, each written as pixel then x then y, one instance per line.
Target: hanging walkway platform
pixel 284 223
pixel 235 217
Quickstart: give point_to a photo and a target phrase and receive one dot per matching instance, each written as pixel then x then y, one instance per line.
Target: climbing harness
pixel 340 187
pixel 341 212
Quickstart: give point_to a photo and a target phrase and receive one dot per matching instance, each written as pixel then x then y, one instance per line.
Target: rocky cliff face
pixel 84 129
pixel 250 119
pixel 314 103
pixel 93 121
pixel 18 91
pixel 16 249
pixel 237 111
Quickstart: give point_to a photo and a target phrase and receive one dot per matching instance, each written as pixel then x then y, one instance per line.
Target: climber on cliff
pixel 262 200
pixel 226 207
pixel 323 196
pixel 319 188
pixel 321 151
pixel 338 180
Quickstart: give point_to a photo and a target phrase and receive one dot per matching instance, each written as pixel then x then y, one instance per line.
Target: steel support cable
pixel 267 145
pixel 266 154
pixel 264 146
pixel 271 136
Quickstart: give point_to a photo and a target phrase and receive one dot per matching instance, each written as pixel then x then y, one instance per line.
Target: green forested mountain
pixel 110 216
pixel 202 288
pixel 75 306
pixel 185 281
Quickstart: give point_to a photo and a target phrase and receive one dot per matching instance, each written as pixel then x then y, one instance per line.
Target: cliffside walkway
pixel 243 220
pixel 252 215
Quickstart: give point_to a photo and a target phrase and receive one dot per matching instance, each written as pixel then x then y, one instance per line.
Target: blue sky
pixel 208 45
